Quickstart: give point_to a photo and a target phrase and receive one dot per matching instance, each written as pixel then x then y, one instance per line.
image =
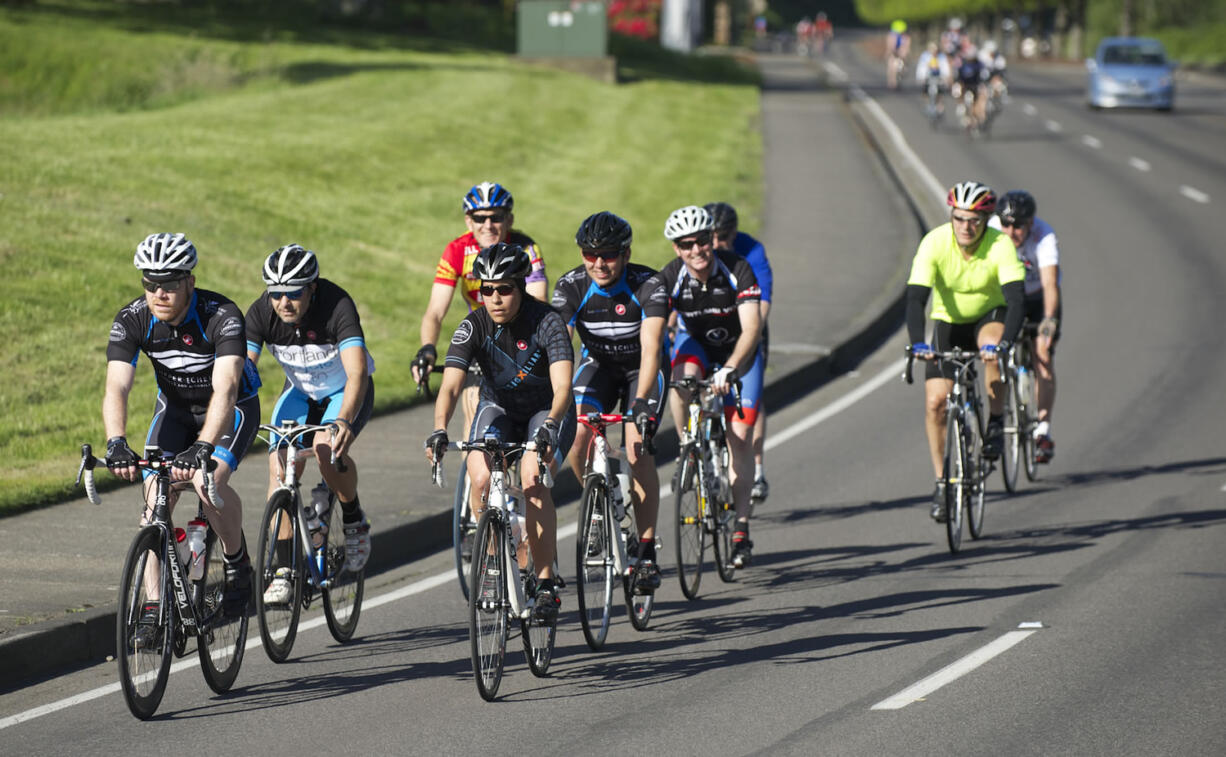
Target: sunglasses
pixel 725 236
pixel 975 221
pixel 480 220
pixel 169 287
pixel 503 290
pixel 1016 222
pixel 293 294
pixel 702 240
pixel 592 255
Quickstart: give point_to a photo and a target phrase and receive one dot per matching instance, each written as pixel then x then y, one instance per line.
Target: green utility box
pixel 563 29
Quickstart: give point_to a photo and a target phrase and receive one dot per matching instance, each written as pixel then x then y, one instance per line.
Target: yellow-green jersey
pixel 965 289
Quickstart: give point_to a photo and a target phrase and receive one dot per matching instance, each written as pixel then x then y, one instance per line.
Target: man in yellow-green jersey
pixel 979 305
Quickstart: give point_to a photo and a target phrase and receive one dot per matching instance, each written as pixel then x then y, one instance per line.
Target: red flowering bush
pixel 635 18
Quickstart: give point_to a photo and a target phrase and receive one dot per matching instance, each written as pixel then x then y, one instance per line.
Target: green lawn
pixel 359 148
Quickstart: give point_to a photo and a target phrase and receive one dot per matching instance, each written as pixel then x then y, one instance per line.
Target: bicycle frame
pixel 599 455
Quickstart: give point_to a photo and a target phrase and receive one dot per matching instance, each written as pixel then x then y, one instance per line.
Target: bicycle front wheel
pixel 143 653
pixel 955 470
pixel 638 606
pixel 279 605
pixel 487 605
pixel 594 558
pixel 539 636
pixel 1012 453
pixel 1026 421
pixel 690 500
pixel 462 527
pixel 222 639
pixel 343 589
pixel 977 484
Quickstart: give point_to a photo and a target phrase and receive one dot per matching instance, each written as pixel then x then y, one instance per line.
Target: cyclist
pixel 312 328
pixel 977 278
pixel 933 66
pixel 207 409
pixel 488 216
pixel 606 299
pixel 898 45
pixel 526 360
pixel 1040 254
pixel 969 77
pixel 823 30
pixel 716 297
pixel 728 237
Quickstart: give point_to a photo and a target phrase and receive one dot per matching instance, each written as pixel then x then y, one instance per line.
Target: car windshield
pixel 1134 55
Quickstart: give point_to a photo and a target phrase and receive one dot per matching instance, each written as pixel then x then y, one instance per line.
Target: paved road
pixel 1116 553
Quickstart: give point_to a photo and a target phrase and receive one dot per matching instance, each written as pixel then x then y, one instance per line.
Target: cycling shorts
pixel 688 350
pixel 295 406
pixel 604 387
pixel 946 336
pixel 491 418
pixel 173 430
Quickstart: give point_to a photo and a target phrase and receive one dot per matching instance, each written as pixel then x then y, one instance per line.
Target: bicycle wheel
pixel 1012 452
pixel 538 637
pixel 638 606
pixel 594 560
pixel 977 474
pixel 487 606
pixel 462 527
pixel 691 542
pixel 281 559
pixel 721 540
pixel 222 639
pixel 1026 419
pixel 955 479
pixel 343 589
pixel 144 659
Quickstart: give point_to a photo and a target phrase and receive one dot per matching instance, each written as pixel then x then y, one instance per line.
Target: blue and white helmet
pixel 488 195
pixel 165 256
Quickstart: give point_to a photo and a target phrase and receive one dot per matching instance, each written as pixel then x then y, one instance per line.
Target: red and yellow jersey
pixel 458 258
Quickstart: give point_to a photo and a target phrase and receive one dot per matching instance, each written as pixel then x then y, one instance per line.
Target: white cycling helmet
pixel 290 267
pixel 971 195
pixel 688 220
pixel 162 257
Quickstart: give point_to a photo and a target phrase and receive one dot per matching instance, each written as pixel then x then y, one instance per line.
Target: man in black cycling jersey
pixel 969 77
pixel 526 359
pixel 312 328
pixel 717 297
pixel 606 299
pixel 207 409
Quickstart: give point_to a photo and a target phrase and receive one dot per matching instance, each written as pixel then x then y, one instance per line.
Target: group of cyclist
pixel 954 64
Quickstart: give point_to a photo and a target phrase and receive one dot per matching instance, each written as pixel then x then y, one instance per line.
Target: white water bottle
pixel 196 531
pixel 182 548
pixel 620 491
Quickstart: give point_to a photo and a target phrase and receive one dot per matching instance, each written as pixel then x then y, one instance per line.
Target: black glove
pixel 428 354
pixel 437 443
pixel 199 455
pixel 119 454
pixel 644 419
pixel 546 438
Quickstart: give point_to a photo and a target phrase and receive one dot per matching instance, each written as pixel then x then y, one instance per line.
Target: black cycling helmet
pixel 723 214
pixel 502 261
pixel 604 231
pixel 1016 205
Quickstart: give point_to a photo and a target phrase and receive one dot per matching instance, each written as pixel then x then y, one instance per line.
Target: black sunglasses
pixel 592 255
pixel 293 294
pixel 702 240
pixel 503 290
pixel 494 217
pixel 1018 222
pixel 173 285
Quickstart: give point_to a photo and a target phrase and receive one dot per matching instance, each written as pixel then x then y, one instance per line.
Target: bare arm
pixel 436 309
pixel 1049 275
pixel 353 359
pixel 651 334
pixel 559 377
pixel 751 327
pixel 448 395
pixel 539 290
pixel 119 378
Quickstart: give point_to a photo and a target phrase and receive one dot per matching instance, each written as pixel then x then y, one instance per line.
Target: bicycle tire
pixel 461 525
pixel 594 562
pixel 1013 447
pixel 538 637
pixel 638 606
pixel 690 539
pixel 955 480
pixel 1026 403
pixel 721 541
pixel 487 605
pixel 977 470
pixel 143 674
pixel 279 623
pixel 222 639
pixel 344 588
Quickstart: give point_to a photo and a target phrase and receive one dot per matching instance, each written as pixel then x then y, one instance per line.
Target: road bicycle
pixel 607 537
pixel 155 570
pixel 934 108
pixel 500 592
pixel 1021 417
pixel 701 487
pixel 964 469
pixel 305 550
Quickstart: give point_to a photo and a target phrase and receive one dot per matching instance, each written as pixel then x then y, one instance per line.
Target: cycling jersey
pixel 970 72
pixel 708 310
pixel 310 351
pixel 183 355
pixel 458 258
pixel 608 319
pixel 965 289
pixel 514 357
pixel 1040 250
pixel 754 252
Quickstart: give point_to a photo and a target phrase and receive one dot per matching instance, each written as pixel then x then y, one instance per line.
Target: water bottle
pixel 317 513
pixel 182 548
pixel 518 527
pixel 196 531
pixel 621 486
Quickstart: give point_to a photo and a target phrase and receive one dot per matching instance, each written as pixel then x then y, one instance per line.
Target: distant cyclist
pixel 489 218
pixel 606 299
pixel 526 360
pixel 977 278
pixel 207 409
pixel 933 68
pixel 312 328
pixel 1040 254
pixel 729 237
pixel 970 76
pixel 898 45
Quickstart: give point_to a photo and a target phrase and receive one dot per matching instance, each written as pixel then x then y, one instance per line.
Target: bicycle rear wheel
pixel 344 589
pixel 144 659
pixel 955 471
pixel 279 558
pixel 721 540
pixel 691 543
pixel 1013 447
pixel 222 639
pixel 462 527
pixel 487 605
pixel 594 558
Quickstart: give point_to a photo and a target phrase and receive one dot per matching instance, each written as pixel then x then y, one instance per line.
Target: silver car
pixel 1130 72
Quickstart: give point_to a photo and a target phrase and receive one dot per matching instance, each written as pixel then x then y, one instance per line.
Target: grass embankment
pixel 1203 46
pixel 359 149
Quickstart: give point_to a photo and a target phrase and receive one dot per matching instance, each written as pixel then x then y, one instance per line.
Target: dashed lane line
pixel 1092 142
pixel 1194 194
pixel 1140 165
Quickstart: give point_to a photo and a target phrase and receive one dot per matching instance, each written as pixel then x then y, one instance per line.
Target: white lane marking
pixel 1192 193
pixel 1090 141
pixel 795 348
pixel 951 672
pixel 1053 126
pixel 1029 109
pixel 1137 163
pixel 836 73
pixel 1030 624
pixel 440 579
pixel 900 142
